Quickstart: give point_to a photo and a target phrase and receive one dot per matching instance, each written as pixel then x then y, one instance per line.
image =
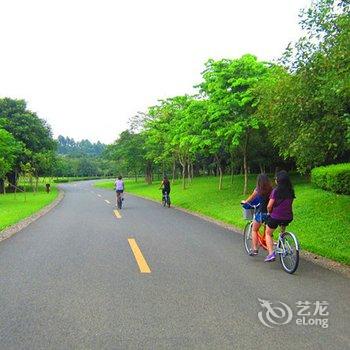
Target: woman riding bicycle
pixel 165 186
pixel 259 196
pixel 119 188
pixel 280 209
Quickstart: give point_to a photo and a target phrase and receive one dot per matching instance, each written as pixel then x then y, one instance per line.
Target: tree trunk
pixel 184 176
pixel 219 169
pixel 36 183
pixel 189 172
pixel 231 173
pixel 220 177
pixel 12 178
pixel 174 169
pixel 183 164
pixel 245 163
pixel 2 186
pixel 262 170
pixel 148 177
pixel 232 168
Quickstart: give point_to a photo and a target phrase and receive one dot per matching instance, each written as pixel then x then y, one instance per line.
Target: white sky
pixel 86 66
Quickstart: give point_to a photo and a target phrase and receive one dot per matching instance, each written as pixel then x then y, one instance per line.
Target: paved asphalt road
pixel 71 281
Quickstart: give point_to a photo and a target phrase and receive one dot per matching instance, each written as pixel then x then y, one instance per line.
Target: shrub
pixel 334 178
pixel 84 178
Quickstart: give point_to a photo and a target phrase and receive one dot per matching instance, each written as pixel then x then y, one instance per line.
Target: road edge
pixel 19 226
pixel 306 255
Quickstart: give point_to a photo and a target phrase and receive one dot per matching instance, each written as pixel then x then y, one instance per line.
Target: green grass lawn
pixel 321 219
pixel 15 208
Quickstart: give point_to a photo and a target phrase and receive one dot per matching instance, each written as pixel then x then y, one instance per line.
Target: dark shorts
pixel 274 223
pixel 164 190
pixel 119 191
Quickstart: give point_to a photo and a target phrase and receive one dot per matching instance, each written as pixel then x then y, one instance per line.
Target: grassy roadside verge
pixel 321 218
pixel 15 208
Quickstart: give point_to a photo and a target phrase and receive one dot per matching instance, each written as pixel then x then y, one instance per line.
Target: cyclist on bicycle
pixel 260 196
pixel 165 186
pixel 119 188
pixel 279 208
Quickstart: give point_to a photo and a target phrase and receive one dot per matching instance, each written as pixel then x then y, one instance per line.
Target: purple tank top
pixel 282 208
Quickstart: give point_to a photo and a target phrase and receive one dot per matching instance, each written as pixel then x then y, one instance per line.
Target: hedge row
pixel 333 178
pixel 73 179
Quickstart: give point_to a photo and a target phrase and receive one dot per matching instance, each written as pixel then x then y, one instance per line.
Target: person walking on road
pixel 119 189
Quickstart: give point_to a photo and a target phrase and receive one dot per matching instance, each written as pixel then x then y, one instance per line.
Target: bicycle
pixel 119 200
pixel 287 246
pixel 166 199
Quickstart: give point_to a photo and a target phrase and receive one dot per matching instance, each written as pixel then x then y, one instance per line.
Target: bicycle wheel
pixel 247 237
pixel 289 255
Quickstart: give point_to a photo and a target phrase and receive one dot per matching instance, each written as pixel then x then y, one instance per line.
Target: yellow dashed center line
pixel 143 266
pixel 117 214
pixel 108 202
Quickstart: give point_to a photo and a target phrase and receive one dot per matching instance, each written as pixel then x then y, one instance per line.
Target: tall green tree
pixel 229 86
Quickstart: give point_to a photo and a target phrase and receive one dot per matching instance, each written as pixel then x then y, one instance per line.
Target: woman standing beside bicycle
pixel 260 196
pixel 280 209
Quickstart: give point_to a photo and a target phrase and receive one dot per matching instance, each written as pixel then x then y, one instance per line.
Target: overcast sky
pixel 86 66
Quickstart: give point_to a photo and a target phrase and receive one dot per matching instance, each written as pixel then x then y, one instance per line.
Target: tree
pixel 128 152
pixel 169 135
pixel 307 103
pixel 34 133
pixel 86 167
pixel 9 150
pixel 69 146
pixel 229 86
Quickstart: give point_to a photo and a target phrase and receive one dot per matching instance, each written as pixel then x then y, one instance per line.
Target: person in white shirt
pixel 119 188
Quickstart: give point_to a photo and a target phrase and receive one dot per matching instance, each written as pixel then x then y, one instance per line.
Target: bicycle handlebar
pixel 250 206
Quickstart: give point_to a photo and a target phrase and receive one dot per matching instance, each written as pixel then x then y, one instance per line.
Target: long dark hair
pixel 263 185
pixel 284 187
pixel 165 180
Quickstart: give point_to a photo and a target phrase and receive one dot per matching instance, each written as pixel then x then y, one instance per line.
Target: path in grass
pixel 14 208
pixel 321 218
